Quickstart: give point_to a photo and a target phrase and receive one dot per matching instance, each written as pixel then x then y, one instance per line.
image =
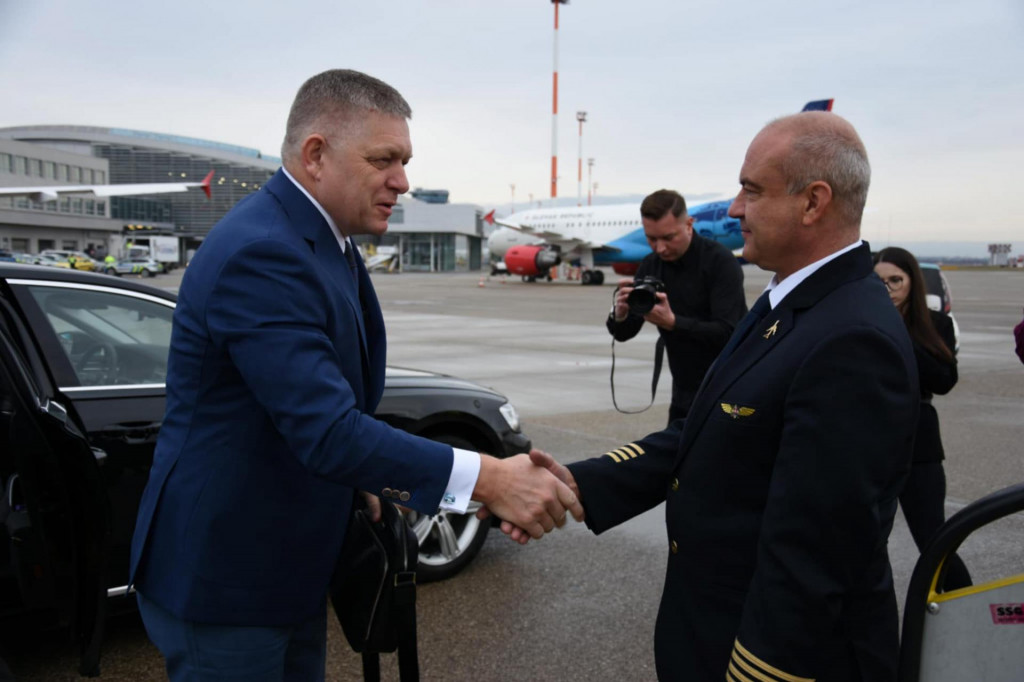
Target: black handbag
pixel 374 590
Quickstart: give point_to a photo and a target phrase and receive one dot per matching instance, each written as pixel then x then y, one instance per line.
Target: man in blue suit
pixel 781 485
pixel 276 365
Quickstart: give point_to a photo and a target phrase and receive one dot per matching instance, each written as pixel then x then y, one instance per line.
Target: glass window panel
pixel 111 339
pixel 48 170
pixel 35 168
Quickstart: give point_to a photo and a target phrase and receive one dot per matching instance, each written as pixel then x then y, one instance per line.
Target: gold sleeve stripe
pixel 621 453
pixel 634 448
pixel 613 456
pixel 765 666
pixel 736 660
pixel 729 677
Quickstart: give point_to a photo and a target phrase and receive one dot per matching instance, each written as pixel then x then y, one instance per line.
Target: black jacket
pixel 938 377
pixel 705 291
pixel 781 489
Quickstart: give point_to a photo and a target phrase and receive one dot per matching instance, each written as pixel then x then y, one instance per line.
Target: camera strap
pixel 659 353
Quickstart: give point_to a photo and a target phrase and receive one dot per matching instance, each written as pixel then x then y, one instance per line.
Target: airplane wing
pixel 54 192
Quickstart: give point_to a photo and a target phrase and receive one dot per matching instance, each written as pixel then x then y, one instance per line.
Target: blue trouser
pixel 197 652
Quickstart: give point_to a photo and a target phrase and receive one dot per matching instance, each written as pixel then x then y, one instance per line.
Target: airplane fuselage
pixel 613 233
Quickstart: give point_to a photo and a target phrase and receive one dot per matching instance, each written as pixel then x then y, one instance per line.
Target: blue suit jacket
pixel 275 368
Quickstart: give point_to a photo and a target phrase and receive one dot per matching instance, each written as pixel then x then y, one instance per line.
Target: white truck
pixel 164 250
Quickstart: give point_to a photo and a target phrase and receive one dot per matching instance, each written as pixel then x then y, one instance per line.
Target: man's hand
pixel 525 495
pixel 546 461
pixel 661 315
pixel 621 294
pixel 372 505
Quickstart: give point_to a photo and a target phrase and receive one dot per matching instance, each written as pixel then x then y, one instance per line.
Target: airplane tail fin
pixel 490 217
pixel 819 105
pixel 205 184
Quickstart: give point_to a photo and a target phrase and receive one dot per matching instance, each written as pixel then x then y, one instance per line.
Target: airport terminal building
pixel 429 236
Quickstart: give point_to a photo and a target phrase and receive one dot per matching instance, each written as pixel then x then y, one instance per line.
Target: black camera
pixel 643 297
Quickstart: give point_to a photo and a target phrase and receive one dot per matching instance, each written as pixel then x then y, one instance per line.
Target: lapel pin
pixel 770 332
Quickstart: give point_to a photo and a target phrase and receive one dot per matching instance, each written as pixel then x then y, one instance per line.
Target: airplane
pixel 54 192
pixel 531 242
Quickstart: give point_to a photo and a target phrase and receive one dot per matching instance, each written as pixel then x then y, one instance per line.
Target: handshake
pixel 531 494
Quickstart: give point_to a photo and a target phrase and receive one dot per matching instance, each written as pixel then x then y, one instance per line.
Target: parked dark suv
pixel 83 361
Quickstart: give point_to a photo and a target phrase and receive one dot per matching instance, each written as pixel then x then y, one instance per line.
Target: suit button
pixel 674 546
pixel 404 497
pixel 386 492
pixel 675 484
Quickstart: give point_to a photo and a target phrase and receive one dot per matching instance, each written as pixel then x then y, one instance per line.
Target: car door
pixel 53 514
pixel 107 346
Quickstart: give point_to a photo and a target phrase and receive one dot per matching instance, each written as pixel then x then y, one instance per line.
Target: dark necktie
pixel 758 312
pixel 351 258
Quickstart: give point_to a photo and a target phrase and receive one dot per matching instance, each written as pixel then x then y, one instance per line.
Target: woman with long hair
pixel 924 493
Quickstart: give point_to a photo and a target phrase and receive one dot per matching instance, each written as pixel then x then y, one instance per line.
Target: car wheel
pixel 112 271
pixel 448 541
pixel 147 273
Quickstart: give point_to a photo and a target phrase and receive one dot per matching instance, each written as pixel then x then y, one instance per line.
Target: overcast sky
pixel 674 90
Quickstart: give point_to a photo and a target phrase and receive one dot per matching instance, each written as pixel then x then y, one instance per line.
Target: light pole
pixel 513 204
pixel 590 169
pixel 581 116
pixel 554 108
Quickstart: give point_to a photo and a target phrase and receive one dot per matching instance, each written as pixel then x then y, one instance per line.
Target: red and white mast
pixel 554 109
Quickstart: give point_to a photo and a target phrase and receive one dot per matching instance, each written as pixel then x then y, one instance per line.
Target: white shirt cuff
pixel 465 471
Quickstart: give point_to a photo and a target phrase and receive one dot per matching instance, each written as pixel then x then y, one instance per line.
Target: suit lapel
pixel 770 332
pixel 310 224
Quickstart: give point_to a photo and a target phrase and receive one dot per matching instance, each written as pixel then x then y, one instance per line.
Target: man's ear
pixel 313 149
pixel 817 195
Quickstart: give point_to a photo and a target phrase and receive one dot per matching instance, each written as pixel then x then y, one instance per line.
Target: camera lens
pixel 641 300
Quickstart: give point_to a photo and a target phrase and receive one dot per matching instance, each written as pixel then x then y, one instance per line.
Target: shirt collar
pixel 779 290
pixel 342 241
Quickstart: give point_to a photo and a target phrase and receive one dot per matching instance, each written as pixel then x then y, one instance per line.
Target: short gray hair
pixel 337 94
pixel 826 147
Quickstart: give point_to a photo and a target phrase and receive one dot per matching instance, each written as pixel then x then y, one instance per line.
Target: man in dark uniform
pixel 782 483
pixel 703 297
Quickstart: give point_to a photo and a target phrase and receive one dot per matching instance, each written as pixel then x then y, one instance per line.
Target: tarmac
pixel 573 606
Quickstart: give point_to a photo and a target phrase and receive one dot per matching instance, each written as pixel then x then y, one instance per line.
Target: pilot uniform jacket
pixel 781 487
pixel 276 365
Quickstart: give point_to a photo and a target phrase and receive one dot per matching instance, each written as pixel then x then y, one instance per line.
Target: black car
pixel 82 371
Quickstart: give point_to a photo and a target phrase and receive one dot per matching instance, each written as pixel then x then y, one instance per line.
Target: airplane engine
pixel 625 269
pixel 531 261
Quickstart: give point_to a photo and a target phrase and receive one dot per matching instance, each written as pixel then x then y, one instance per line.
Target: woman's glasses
pixel 895 282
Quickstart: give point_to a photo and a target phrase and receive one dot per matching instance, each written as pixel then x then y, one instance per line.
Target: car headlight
pixel 511 416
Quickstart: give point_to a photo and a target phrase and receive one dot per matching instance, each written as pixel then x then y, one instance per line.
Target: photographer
pixel 699 301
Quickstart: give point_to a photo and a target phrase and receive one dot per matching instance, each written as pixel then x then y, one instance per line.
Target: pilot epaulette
pixel 626 452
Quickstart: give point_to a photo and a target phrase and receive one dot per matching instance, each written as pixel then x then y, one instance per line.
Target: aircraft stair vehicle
pixel 973 633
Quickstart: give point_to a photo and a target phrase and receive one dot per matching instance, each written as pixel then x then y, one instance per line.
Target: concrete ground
pixel 573 606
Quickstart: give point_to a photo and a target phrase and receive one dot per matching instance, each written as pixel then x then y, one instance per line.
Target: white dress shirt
pixel 779 290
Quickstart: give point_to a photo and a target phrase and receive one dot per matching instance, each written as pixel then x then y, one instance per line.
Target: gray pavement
pixel 574 606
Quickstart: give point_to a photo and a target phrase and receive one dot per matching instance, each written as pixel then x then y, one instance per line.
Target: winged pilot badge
pixel 735 411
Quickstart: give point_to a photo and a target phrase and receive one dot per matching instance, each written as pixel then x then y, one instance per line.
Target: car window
pixel 932 281
pixel 110 338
